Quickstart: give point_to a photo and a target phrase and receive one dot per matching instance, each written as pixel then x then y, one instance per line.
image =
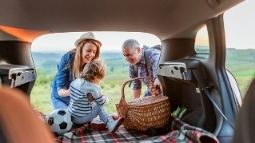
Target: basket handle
pixel 124 84
pixel 122 107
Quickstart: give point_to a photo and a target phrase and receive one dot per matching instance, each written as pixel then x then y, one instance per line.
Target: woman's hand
pixel 63 92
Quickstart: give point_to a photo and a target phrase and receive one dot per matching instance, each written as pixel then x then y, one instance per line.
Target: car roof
pixel 163 18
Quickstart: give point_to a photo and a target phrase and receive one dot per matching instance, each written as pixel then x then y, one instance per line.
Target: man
pixel 143 62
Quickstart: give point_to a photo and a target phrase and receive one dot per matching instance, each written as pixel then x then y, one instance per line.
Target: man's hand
pixel 137 93
pixel 156 89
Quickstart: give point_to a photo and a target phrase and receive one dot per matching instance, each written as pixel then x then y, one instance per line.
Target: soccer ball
pixel 60 121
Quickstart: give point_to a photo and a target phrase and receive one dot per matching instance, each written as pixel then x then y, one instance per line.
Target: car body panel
pixel 135 16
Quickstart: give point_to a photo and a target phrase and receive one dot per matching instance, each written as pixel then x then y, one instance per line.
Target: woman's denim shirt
pixel 63 77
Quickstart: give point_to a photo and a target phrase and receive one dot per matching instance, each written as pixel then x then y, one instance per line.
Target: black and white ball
pixel 60 121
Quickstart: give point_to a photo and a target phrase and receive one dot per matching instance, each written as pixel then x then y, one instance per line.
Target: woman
pixel 70 67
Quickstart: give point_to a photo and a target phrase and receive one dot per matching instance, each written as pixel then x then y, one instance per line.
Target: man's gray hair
pixel 130 43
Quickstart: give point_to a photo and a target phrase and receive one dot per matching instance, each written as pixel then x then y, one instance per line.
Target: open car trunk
pixel 200 84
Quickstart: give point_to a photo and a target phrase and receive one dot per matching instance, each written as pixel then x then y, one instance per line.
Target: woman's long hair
pixel 77 67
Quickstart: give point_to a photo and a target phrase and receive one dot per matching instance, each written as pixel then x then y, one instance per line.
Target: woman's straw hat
pixel 85 36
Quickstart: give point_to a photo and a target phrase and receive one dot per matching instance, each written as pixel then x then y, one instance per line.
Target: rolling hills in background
pixel 115 61
pixel 47 62
pixel 240 62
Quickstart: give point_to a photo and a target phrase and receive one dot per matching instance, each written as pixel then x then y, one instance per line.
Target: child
pixel 86 98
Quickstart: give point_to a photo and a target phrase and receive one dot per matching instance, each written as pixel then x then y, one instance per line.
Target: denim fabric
pixel 96 110
pixel 62 79
pixel 58 103
pixel 142 71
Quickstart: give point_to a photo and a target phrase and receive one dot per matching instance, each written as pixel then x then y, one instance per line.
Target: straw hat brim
pixel 82 39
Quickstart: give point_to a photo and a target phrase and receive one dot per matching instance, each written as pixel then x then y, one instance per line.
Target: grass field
pixel 240 62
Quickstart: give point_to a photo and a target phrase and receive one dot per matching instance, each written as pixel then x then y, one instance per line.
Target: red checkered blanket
pixel 181 133
pixel 83 134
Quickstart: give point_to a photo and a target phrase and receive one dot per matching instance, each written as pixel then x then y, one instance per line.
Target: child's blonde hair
pixel 93 70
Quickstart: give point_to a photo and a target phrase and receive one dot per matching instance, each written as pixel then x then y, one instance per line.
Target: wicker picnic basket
pixel 144 113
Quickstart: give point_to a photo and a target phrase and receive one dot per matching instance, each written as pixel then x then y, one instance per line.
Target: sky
pixel 239 30
pixel 111 41
pixel 240 25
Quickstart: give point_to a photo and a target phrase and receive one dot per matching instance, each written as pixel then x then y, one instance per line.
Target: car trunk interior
pixel 17 67
pixel 204 77
pixel 174 22
pixel 185 92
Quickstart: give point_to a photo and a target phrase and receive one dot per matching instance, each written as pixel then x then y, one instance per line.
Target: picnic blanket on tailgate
pixel 181 133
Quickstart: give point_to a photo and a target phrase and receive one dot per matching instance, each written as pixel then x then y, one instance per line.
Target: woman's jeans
pixel 58 103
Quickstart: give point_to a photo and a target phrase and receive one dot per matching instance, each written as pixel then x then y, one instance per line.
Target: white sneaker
pixel 114 125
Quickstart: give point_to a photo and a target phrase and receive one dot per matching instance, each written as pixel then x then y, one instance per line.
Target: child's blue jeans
pixel 96 110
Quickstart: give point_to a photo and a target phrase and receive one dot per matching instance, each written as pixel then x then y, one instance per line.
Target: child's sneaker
pixel 114 125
